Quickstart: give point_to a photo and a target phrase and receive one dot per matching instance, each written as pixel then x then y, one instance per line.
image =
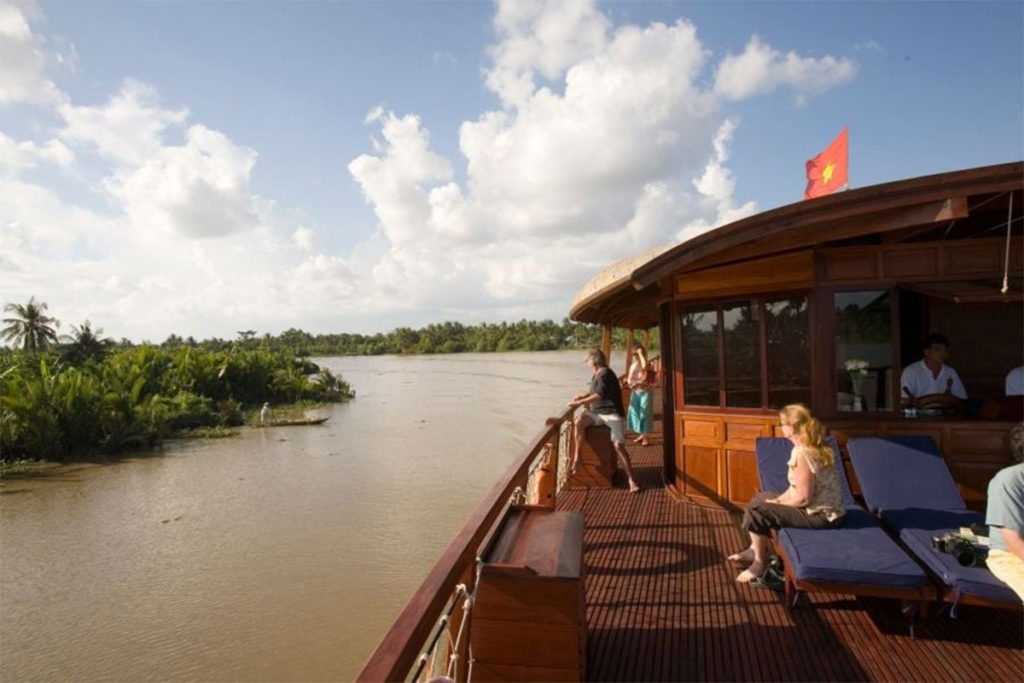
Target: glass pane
pixel 742 355
pixel 863 351
pixel 700 356
pixel 789 352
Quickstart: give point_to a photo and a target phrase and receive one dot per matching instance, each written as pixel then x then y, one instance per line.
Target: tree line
pixel 62 395
pixel 446 337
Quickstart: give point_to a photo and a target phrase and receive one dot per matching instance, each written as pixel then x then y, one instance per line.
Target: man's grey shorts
pixel 610 420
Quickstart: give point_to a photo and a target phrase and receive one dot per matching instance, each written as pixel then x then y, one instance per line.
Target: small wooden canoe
pixel 293 422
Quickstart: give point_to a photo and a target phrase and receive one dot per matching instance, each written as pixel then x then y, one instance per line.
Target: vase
pixel 858 403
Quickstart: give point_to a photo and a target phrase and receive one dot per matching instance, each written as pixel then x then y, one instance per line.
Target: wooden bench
pixel 598 462
pixel 529 616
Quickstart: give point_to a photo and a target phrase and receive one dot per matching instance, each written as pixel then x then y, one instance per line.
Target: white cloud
pixel 27 154
pixel 761 69
pixel 127 130
pixel 542 37
pixel 304 238
pixel 199 189
pixel 627 153
pixel 607 142
pixel 23 76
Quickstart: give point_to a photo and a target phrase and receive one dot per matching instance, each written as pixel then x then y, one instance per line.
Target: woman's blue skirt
pixel 641 414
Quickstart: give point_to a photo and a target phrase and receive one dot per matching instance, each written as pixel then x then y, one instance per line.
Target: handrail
pixel 396 654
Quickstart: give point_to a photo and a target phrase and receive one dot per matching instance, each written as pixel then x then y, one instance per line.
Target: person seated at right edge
pixel 812 501
pixel 930 381
pixel 1005 518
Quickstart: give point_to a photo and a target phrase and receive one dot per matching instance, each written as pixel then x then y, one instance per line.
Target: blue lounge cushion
pixel 856 553
pixel 976 581
pixel 934 521
pixel 903 472
pixel 773 456
pixel 908 483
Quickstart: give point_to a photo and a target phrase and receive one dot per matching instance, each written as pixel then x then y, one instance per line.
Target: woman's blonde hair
pixel 810 431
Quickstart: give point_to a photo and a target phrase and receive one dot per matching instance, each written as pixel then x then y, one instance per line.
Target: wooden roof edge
pixel 610 280
pixel 995 178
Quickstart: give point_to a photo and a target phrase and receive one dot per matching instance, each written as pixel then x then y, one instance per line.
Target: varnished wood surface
pixel 716 464
pixel 662 604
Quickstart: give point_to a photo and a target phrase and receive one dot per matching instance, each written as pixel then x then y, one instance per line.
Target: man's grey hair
pixel 596 356
pixel 1017 443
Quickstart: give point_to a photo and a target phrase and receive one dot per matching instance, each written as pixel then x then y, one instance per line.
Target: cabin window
pixel 746 354
pixel 700 355
pixel 863 350
pixel 788 351
pixel 742 339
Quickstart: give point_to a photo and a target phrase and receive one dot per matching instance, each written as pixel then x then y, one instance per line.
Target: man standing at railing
pixel 603 405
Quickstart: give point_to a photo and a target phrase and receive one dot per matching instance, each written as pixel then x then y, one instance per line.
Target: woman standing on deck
pixel 641 412
pixel 812 501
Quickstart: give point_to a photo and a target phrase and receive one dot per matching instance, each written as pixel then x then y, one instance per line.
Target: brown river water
pixel 282 554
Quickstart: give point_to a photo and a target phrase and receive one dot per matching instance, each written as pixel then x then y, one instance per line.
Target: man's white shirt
pixel 917 377
pixel 1015 382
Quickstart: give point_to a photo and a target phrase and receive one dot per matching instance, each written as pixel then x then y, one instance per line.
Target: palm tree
pixel 85 343
pixel 30 327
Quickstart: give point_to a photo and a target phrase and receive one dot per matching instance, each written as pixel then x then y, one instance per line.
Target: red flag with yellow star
pixel 826 172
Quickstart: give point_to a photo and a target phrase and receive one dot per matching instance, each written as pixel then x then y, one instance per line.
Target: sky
pixel 204 168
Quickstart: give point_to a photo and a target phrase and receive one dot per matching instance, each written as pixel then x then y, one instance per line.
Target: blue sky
pixel 201 168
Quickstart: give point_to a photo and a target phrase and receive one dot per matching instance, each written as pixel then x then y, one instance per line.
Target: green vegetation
pixel 79 394
pixel 447 337
pixel 86 395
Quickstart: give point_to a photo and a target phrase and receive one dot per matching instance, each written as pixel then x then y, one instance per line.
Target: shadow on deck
pixel 662 605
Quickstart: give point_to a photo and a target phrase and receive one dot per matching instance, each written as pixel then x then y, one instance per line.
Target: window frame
pixel 719 304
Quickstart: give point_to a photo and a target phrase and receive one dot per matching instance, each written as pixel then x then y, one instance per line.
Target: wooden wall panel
pixel 717 463
pixel 786 271
pixel 980 444
pixel 911 263
pixel 737 433
pixel 702 429
pixel 972 480
pixel 973 259
pixel 929 262
pixel 742 479
pixel 701 464
pixel 851 264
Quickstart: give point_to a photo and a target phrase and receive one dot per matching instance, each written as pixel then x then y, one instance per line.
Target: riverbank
pixel 292 412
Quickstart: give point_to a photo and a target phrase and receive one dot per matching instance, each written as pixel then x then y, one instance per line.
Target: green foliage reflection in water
pixel 51 409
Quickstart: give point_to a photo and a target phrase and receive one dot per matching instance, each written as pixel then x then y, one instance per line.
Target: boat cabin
pixel 824 302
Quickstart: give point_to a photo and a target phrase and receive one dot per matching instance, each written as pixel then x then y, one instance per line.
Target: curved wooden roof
pixel 948 205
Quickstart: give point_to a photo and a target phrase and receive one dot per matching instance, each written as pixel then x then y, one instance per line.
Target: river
pixel 281 554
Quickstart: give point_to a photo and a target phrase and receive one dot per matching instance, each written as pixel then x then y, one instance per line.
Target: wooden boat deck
pixel 662 604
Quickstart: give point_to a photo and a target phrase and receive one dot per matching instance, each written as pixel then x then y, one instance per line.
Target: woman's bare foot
pixel 750 573
pixel 644 441
pixel 743 557
pixel 638 439
pixel 634 487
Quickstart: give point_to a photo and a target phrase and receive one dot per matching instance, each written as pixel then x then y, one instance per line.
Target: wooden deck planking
pixel 662 605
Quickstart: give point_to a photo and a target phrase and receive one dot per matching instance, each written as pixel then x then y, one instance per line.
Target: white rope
pixel 518 495
pixel 467 605
pixel 1006 265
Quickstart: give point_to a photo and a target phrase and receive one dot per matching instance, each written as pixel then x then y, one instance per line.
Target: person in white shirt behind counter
pixel 930 381
pixel 1015 382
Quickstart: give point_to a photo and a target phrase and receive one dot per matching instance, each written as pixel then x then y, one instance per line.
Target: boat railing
pixel 429 638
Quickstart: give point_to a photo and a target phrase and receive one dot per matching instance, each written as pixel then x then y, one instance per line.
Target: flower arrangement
pixel 856 365
pixel 858 370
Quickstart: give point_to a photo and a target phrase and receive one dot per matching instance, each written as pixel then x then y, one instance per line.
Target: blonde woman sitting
pixel 812 501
